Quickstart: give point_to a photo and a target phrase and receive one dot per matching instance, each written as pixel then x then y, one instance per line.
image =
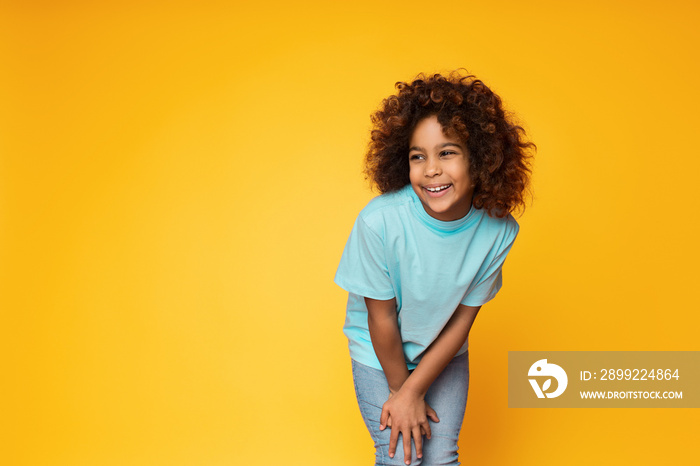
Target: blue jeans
pixel 447 396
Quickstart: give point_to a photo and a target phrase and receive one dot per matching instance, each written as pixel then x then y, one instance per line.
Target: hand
pixel 430 412
pixel 407 413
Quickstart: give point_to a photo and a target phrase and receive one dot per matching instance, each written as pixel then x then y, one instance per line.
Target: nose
pixel 432 167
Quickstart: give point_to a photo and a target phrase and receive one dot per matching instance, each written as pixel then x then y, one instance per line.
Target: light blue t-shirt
pixel 397 250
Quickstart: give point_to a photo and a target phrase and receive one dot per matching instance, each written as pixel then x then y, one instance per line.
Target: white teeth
pixel 438 189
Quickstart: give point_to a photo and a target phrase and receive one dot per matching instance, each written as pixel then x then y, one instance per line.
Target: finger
pixel 388 421
pixel 393 440
pixel 418 440
pixel 406 447
pixel 430 412
pixel 426 429
pixel 383 418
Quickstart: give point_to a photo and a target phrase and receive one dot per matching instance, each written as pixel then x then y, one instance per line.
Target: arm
pixel 409 401
pixel 442 350
pixel 383 326
pixel 386 340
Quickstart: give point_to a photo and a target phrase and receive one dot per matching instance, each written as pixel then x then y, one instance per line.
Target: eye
pixel 415 157
pixel 446 153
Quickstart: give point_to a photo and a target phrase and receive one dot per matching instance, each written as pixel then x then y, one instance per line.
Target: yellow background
pixel 177 182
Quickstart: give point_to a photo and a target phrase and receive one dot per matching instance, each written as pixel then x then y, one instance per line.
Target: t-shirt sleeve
pixel 490 281
pixel 363 268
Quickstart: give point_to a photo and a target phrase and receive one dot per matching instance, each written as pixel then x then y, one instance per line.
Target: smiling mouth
pixel 437 189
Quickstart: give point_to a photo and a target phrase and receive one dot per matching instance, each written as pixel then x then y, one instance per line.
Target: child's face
pixel 439 171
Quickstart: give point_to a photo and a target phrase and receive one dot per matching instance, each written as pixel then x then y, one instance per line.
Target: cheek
pixel 459 172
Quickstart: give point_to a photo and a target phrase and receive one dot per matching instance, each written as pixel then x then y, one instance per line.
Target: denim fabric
pixel 447 396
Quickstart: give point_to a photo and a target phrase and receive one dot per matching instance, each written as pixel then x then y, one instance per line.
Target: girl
pixel 424 256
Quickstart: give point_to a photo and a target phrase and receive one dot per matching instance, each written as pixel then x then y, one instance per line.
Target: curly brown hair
pixel 499 154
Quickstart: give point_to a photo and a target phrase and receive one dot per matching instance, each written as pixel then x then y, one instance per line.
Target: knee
pixel 382 456
pixel 440 451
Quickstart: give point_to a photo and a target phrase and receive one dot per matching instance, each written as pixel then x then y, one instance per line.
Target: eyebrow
pixel 442 146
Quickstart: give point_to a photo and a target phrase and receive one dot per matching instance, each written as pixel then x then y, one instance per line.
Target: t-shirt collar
pixel 432 222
